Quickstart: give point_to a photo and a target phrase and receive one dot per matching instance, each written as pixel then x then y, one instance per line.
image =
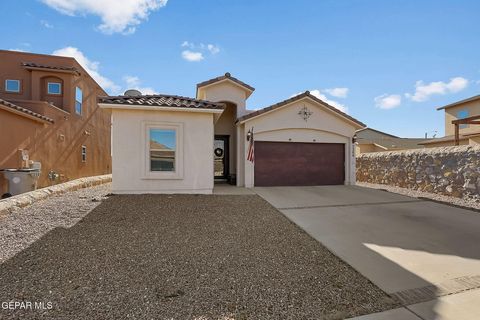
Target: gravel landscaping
pixel 459 202
pixel 172 257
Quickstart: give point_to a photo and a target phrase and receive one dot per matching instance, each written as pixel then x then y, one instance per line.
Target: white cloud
pixel 133 82
pixel 424 91
pixel 213 48
pixel 46 24
pixel 192 56
pixel 388 101
pixel 337 92
pixel 117 15
pixel 196 52
pixel 316 93
pixel 92 67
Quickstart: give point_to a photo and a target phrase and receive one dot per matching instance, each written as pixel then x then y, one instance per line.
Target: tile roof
pixel 225 76
pixel 44 66
pixel 25 111
pixel 295 98
pixel 162 100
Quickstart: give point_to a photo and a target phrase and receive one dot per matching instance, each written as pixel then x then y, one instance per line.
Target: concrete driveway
pixel 416 250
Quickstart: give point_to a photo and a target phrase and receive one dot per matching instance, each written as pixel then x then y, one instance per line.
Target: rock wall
pixel 453 171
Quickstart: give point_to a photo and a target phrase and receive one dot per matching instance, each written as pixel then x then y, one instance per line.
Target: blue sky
pixel 398 60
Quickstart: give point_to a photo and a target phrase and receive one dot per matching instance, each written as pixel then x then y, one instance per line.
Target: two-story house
pixel 49 111
pixel 469 133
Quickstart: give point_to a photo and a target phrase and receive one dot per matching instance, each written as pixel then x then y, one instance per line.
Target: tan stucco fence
pixel 25 199
pixel 451 171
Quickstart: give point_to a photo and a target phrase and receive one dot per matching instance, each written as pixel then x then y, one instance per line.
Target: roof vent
pixel 132 93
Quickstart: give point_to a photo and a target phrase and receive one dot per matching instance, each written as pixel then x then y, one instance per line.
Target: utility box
pixel 22 180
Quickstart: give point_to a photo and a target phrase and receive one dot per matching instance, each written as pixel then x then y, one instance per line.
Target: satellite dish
pixel 132 93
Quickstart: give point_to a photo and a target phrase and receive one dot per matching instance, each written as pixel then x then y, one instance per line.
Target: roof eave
pixel 451 105
pixel 248 90
pixel 26 115
pixel 157 108
pixel 297 98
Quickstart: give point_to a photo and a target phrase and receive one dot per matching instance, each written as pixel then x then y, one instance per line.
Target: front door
pixel 220 156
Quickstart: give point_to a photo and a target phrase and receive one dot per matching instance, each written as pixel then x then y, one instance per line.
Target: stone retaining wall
pixel 453 171
pixel 28 198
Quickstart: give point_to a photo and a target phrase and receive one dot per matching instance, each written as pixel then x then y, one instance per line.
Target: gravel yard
pixel 172 257
pixel 460 202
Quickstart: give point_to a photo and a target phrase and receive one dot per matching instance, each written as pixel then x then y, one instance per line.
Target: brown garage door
pixel 299 164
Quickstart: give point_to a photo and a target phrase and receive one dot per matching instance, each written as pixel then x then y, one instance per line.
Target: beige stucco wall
pixel 446 143
pixel 473 108
pixel 225 91
pixel 284 124
pixel 365 148
pixel 129 157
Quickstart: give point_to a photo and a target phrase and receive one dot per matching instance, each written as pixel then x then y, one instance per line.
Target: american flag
pixel 250 154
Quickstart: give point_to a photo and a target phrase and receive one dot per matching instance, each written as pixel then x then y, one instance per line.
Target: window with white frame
pixel 54 88
pixel 162 149
pixel 84 153
pixel 12 85
pixel 78 100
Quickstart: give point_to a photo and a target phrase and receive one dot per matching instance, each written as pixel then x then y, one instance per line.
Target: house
pixel 463 115
pixel 371 140
pixel 171 144
pixel 49 114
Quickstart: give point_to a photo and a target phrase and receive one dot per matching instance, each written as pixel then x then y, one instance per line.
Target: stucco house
pixel 49 112
pixel 372 140
pixel 172 144
pixel 463 114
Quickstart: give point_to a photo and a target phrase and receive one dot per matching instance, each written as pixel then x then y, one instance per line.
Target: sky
pixel 387 63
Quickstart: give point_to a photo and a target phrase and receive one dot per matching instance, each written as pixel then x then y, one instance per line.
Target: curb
pixel 28 198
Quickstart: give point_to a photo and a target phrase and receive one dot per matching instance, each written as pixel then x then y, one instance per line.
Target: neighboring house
pixel 468 110
pixel 299 141
pixel 48 110
pixel 371 140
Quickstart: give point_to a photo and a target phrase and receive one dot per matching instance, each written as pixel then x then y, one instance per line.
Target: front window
pixel 54 88
pixel 12 85
pixel 462 114
pixel 163 145
pixel 78 100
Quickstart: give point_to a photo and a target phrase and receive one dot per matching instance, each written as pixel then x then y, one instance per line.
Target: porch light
pixel 249 135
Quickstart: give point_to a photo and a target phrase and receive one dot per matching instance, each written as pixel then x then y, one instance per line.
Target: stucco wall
pixel 129 157
pixel 57 146
pixel 226 92
pixel 284 124
pixel 463 142
pixel 473 108
pixel 453 171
